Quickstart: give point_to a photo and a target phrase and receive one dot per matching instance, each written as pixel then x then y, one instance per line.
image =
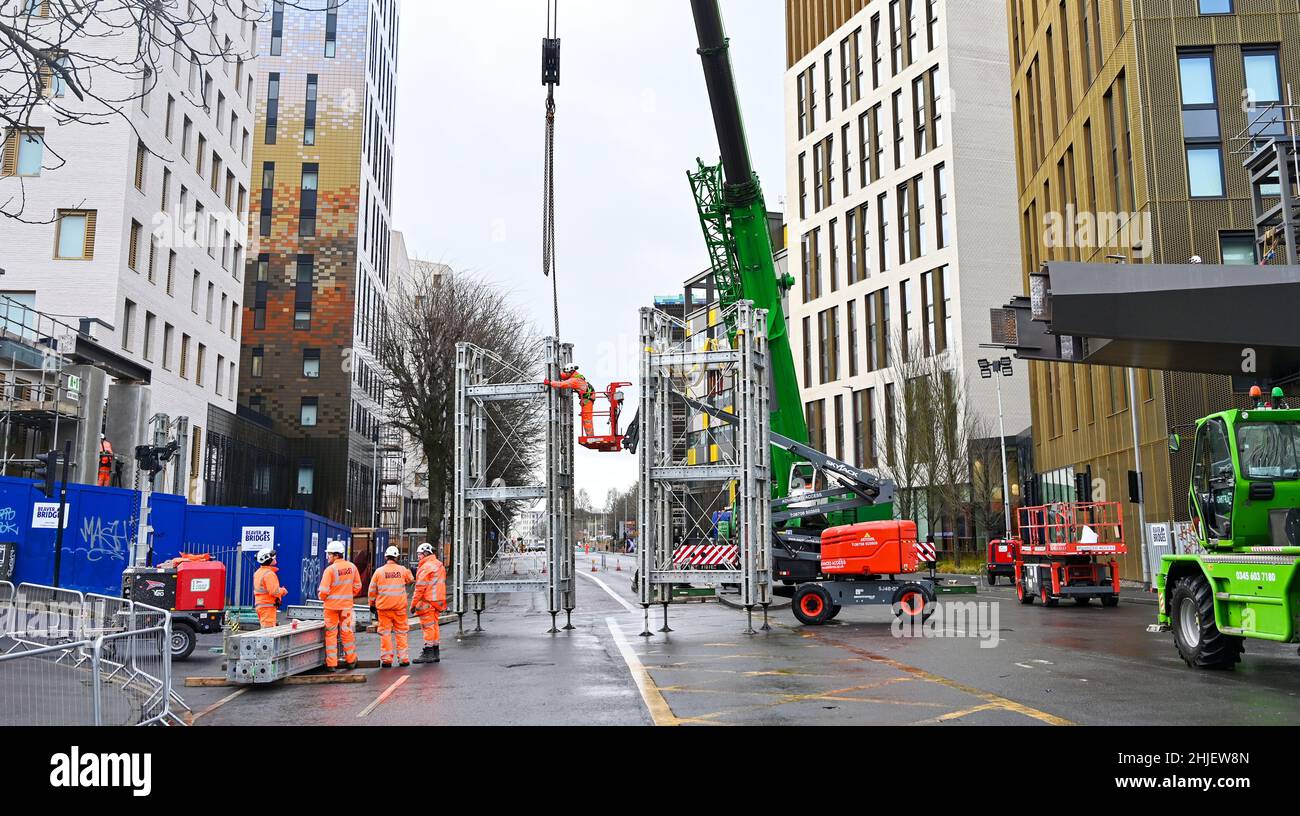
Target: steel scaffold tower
pixel 483 564
pixel 669 369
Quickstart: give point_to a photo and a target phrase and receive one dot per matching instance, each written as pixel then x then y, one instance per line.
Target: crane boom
pixel 733 215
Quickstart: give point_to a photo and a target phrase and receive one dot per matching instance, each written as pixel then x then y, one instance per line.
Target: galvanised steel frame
pixel 668 368
pixel 482 378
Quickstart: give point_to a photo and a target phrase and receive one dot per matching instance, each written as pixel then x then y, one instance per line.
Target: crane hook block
pixel 551 61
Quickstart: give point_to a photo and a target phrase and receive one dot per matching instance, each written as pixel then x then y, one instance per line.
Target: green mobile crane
pixel 1245 507
pixel 733 216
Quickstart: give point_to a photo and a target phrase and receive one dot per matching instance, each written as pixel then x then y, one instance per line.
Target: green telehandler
pixel 1245 508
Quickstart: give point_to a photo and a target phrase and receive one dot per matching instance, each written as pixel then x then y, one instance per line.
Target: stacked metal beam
pixel 268 655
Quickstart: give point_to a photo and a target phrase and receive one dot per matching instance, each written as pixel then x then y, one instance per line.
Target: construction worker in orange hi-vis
pixel 267 591
pixel 339 585
pixel 571 379
pixel 430 600
pixel 388 604
pixel 105 462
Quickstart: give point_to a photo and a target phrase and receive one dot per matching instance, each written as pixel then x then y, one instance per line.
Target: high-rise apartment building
pixel 1127 115
pixel 318 281
pixel 136 218
pixel 901 216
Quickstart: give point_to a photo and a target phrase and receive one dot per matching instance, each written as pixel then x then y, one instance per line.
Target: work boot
pixel 428 655
pixel 350 666
pixel 405 664
pixel 331 669
pixel 384 665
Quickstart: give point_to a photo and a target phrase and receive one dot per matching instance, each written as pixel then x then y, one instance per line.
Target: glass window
pixel 1215 6
pixel 72 235
pixel 1262 76
pixel 311 363
pixel 1237 249
pixel 308 416
pixel 306 479
pixel 1196 74
pixel 1204 171
pixel 31 154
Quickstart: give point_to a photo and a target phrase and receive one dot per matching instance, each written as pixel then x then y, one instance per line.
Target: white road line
pixel 629 607
pixel 218 704
pixel 655 703
pixel 388 692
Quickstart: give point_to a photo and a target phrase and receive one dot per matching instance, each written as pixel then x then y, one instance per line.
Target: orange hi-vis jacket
pixel 430 585
pixel 266 587
pixel 577 383
pixel 339 585
pixel 388 587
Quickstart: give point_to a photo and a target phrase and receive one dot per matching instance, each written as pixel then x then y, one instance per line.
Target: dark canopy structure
pixel 1236 320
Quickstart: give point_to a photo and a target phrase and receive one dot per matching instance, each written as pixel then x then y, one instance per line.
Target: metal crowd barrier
pixel 68 658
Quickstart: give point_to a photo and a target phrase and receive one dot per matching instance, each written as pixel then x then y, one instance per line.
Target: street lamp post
pixel 995 370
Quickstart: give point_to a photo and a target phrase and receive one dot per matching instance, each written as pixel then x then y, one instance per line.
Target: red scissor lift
pixel 1068 550
pixel 613 441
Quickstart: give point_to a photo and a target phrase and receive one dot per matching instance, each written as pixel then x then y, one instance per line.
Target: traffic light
pixel 46 465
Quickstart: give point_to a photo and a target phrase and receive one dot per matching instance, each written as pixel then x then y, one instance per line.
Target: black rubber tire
pixel 812 604
pixel 184 639
pixel 1213 649
pixel 1111 601
pixel 992 579
pixel 1021 595
pixel 1082 600
pixel 1046 598
pixel 835 612
pixel 927 604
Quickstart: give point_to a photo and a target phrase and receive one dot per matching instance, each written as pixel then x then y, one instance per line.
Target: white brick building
pixel 901 208
pixel 140 218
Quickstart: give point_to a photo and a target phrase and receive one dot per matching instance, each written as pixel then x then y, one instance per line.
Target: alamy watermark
pixel 954 619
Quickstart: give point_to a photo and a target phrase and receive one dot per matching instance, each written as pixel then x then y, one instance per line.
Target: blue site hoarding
pixel 101 527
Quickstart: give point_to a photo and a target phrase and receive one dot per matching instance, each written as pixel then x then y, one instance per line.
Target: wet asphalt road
pixel 1059 666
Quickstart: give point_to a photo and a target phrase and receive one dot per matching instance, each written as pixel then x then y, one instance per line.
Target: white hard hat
pixel 392 552
pixel 266 555
pixel 334 548
pixel 425 549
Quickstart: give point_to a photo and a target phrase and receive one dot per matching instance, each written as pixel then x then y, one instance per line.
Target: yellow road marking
pixel 660 713
pixel 986 696
pixel 218 704
pixel 388 692
pixel 957 715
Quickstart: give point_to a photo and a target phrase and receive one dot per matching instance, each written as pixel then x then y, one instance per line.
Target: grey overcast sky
pixel 632 117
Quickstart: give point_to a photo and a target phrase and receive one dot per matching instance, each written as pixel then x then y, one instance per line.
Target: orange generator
pixel 870 548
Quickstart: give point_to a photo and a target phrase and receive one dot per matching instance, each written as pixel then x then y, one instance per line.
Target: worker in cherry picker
pixel 572 380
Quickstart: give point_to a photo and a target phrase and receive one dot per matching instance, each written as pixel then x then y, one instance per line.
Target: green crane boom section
pixel 733 216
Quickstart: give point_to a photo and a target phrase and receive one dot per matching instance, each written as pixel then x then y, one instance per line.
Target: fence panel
pixel 69 659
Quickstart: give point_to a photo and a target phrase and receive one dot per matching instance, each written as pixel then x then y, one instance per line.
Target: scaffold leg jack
pixel 568 620
pixel 646 632
pixel 666 628
pixel 766 627
pixel 749 621
pixel 478 620
pixel 555 629
pixel 460 626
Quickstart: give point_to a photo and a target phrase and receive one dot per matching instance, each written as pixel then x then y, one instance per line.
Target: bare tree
pixel 427 318
pixel 910 447
pixel 88 61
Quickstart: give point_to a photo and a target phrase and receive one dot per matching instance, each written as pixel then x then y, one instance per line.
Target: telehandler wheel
pixel 1110 600
pixel 1045 597
pixel 913 602
pixel 1082 600
pixel 992 579
pixel 812 604
pixel 1197 637
pixel 835 612
pixel 1024 597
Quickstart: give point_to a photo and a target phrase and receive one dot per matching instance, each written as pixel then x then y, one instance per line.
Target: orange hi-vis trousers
pixel 266 616
pixel 393 622
pixel 429 625
pixel 340 624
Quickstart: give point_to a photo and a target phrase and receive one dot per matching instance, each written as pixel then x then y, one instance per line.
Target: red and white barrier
pixel 706 555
